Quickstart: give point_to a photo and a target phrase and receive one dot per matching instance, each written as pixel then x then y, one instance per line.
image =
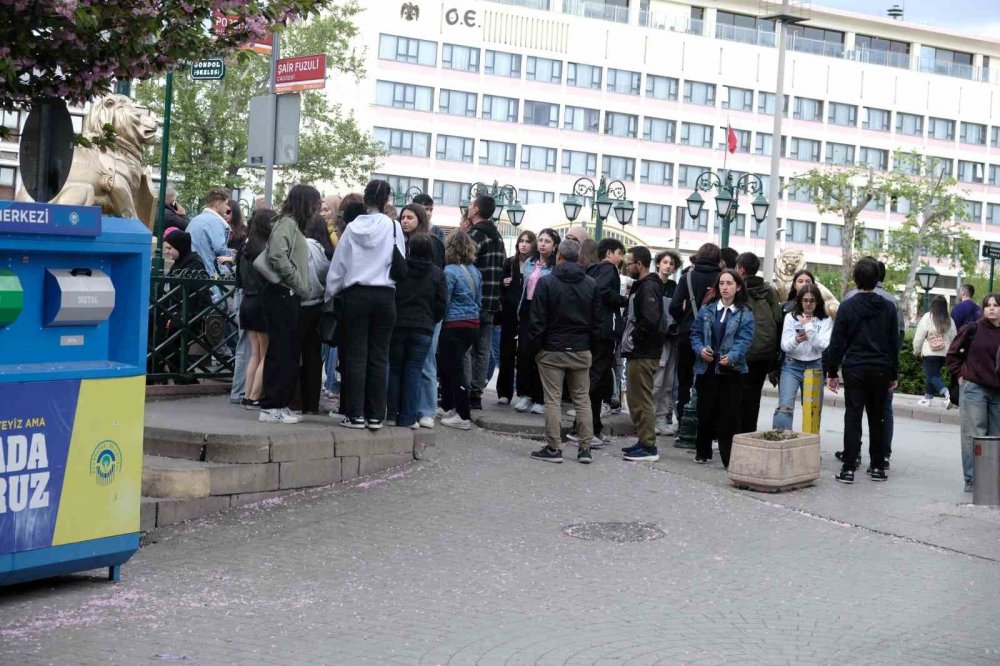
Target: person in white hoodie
pixel 804 337
pixel 359 276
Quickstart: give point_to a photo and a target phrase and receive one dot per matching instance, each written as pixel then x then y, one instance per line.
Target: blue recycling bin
pixel 74 293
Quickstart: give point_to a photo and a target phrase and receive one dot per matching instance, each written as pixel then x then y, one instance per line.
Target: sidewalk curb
pixel 899 408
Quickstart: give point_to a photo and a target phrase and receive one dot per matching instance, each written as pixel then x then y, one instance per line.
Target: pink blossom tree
pixel 77 49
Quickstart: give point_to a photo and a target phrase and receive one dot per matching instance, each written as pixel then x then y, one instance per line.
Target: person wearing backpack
pixel 934 334
pixel 642 345
pixel 972 358
pixel 684 305
pixel 762 358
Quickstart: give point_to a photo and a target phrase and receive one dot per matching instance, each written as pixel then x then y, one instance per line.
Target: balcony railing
pixel 876 57
pixel 596 9
pixel 530 4
pixel 948 69
pixel 735 33
pixel 816 47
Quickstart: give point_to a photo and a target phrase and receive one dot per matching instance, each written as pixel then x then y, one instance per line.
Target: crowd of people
pixel 409 324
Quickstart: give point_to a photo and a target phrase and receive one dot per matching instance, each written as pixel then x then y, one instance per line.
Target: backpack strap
pixel 690 290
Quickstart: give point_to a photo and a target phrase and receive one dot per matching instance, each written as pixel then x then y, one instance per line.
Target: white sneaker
pixel 503 401
pixel 415 425
pixel 596 442
pixel 426 422
pixel 571 412
pixel 457 422
pixel 277 416
pixel 523 404
pixel 441 414
pixel 924 402
pixel 537 408
pixel 662 428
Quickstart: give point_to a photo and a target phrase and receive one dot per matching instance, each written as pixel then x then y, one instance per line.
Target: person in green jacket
pixel 288 257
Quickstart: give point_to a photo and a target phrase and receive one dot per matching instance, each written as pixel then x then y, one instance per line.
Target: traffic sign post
pixel 991 252
pixel 211 69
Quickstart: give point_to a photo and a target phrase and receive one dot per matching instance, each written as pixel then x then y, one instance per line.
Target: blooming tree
pixel 76 49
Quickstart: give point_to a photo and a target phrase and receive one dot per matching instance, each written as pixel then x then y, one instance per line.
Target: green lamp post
pixel 927 278
pixel 727 201
pixel 505 197
pixel 607 198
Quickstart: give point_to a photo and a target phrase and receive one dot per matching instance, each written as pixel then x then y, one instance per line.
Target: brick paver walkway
pixel 462 559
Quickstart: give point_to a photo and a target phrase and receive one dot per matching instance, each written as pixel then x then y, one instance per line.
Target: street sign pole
pixel 993 265
pixel 272 128
pixel 991 252
pixel 168 100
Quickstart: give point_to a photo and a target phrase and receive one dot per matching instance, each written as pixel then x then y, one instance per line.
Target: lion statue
pixel 786 265
pixel 113 179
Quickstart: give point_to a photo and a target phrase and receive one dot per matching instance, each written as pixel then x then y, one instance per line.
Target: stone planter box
pixel 774 466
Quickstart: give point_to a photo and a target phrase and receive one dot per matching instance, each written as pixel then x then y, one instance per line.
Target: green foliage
pixel 844 191
pixel 933 227
pixel 209 129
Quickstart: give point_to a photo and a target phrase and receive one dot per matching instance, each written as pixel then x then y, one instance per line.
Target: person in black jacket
pixel 643 352
pixel 564 327
pixel 866 341
pixel 421 299
pixel 684 305
pixel 605 274
pixel 510 295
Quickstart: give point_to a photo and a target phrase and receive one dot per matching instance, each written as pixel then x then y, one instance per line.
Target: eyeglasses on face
pixel 808 300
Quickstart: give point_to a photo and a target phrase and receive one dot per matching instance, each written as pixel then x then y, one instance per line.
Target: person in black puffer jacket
pixel 421 299
pixel 684 305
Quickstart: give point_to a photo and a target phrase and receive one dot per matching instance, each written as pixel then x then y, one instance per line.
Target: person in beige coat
pixel 934 334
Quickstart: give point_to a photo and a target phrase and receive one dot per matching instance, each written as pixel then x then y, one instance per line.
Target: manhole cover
pixel 615 532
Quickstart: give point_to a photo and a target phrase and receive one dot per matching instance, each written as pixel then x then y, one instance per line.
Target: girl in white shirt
pixel 804 338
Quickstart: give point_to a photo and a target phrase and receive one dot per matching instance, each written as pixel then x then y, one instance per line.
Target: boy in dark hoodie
pixel 865 342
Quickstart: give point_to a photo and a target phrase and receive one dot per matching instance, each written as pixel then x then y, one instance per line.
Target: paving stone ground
pixel 462 559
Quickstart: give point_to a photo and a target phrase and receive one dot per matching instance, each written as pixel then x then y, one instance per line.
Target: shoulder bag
pixel 264 267
pixel 397 270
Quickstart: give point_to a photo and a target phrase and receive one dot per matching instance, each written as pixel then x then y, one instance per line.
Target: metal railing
pixel 596 9
pixel 530 4
pixel 192 328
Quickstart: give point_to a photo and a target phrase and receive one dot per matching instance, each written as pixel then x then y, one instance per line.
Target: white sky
pixel 980 17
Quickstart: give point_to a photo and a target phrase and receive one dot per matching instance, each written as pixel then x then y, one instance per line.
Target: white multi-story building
pixel 537 93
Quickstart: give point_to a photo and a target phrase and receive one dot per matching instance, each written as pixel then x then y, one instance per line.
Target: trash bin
pixel 74 292
pixel 986 472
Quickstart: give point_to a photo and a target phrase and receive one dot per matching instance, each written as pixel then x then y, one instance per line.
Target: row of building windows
pixel 504 154
pixel 451 193
pixel 406 49
pixel 626 125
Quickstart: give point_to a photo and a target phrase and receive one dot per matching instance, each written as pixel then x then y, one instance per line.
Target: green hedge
pixel 911 370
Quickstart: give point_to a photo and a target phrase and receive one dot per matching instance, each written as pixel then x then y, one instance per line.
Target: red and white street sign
pixel 303 73
pixel 264 46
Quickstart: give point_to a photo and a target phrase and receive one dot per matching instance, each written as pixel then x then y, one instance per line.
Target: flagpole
pixel 723 223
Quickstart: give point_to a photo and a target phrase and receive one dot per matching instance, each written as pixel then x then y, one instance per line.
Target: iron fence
pixel 192 328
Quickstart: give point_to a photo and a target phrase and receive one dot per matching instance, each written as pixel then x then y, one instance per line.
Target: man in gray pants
pixel 489 260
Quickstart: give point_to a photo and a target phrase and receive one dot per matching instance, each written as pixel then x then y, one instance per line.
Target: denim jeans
pixel 481 352
pixel 407 353
pixel 428 402
pixel 331 384
pixel 494 354
pixel 979 408
pixel 792 373
pixel 934 387
pixel 238 391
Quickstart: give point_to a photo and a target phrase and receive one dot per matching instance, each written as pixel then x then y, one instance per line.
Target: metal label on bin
pixel 77 296
pixel 17 217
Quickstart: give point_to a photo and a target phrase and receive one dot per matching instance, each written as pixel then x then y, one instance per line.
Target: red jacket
pixel 977 362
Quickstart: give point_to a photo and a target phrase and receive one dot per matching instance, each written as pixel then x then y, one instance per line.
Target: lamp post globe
pixel 760 206
pixel 571 207
pixel 694 205
pixel 927 278
pixel 624 211
pixel 515 213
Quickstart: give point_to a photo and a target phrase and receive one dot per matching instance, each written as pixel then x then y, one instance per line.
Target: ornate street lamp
pixel 607 197
pixel 403 198
pixel 727 201
pixel 927 278
pixel 505 197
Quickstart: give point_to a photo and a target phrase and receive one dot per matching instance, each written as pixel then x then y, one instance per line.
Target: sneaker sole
pixel 844 481
pixel 549 460
pixel 374 427
pixel 880 479
pixel 353 426
pixel 643 458
pixel 585 461
pixel 456 426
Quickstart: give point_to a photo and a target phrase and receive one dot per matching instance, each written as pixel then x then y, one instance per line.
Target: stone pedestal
pixel 761 463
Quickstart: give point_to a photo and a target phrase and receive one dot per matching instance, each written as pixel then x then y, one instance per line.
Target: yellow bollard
pixel 812 400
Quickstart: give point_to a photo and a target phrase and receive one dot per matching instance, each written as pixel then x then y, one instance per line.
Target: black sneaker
pixel 839 455
pixel 374 424
pixel 968 486
pixel 246 403
pixel 357 423
pixel 640 453
pixel 548 455
pixel 845 476
pixel 476 403
pixel 583 456
pixel 878 474
pixel 885 464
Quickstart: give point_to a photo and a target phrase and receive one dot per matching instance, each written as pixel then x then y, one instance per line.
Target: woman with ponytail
pixel 360 276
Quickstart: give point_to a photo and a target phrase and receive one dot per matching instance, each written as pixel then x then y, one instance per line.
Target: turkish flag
pixel 730 139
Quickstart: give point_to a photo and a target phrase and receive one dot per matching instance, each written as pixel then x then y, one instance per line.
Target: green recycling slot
pixel 11 297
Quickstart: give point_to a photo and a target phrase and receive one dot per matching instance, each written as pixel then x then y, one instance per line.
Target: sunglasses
pixel 229 211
